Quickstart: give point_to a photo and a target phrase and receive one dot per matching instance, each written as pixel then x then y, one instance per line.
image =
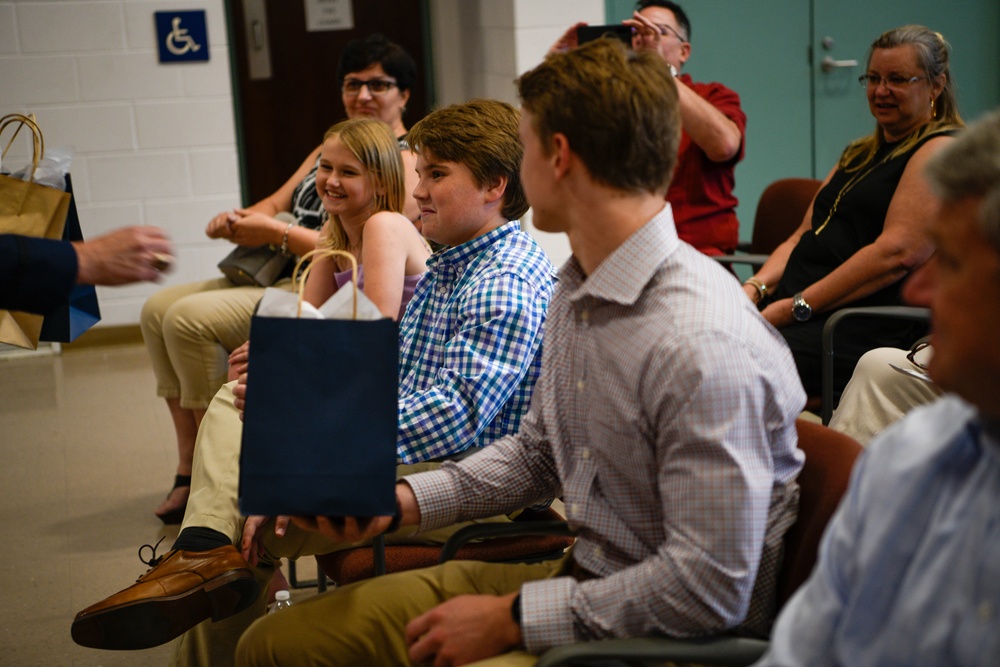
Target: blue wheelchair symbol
pixel 181 36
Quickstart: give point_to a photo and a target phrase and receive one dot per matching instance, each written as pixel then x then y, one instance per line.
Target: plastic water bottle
pixel 281 601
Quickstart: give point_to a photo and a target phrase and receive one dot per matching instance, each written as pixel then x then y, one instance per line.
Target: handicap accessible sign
pixel 181 36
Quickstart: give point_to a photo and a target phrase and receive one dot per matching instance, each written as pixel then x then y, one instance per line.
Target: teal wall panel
pixel 763 56
pixel 762 50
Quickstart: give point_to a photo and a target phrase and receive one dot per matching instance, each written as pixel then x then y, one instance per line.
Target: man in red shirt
pixel 701 192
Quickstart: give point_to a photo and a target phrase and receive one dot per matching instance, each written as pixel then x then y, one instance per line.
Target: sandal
pixel 176 515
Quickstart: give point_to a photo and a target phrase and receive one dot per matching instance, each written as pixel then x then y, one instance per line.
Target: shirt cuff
pixel 546 615
pixel 435 492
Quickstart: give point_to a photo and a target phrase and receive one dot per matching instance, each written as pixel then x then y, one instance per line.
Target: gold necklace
pixel 854 181
pixel 847 187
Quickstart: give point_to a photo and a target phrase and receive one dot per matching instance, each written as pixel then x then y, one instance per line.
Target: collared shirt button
pixel 574 508
pixel 598 552
pixel 586 453
pixel 580 385
pixel 585 316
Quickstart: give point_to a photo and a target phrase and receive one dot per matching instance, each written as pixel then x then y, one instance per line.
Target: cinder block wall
pixel 153 144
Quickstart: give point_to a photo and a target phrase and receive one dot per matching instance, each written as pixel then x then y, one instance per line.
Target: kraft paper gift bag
pixel 30 209
pixel 319 432
pixel 80 311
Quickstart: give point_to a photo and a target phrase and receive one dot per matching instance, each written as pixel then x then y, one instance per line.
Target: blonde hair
pixel 933 56
pixel 372 142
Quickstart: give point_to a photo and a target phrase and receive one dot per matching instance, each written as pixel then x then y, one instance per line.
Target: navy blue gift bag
pixel 320 423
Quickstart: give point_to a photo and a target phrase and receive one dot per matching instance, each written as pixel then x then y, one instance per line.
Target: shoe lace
pixel 154 560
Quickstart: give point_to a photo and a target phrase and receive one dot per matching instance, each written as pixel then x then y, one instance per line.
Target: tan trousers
pixel 363 623
pixel 189 332
pixel 877 395
pixel 213 503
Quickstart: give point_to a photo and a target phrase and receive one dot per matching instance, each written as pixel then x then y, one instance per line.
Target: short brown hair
pixel 617 108
pixel 482 135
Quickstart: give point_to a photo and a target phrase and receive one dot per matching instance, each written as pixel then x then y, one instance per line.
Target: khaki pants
pixel 213 503
pixel 189 332
pixel 363 623
pixel 877 395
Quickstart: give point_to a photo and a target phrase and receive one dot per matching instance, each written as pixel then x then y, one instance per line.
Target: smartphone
pixel 588 33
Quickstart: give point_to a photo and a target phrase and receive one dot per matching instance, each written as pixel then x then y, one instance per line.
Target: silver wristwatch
pixel 801 310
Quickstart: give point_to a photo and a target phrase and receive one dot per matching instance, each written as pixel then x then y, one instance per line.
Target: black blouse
pixel 858 219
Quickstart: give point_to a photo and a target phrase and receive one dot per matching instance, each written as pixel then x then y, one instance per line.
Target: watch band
pixel 515 609
pixel 801 310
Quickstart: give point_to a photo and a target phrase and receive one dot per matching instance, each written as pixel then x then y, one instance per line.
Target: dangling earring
pixel 933 112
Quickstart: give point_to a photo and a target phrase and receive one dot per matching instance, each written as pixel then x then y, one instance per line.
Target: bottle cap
pixel 282 596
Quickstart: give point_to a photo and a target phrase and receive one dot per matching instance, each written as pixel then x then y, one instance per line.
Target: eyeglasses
pixel 893 81
pixel 375 86
pixel 667 30
pixel 911 356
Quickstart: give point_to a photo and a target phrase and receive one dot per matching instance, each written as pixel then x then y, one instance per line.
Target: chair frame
pixel 829 329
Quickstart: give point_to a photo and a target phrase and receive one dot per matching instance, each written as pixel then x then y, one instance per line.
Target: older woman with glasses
pixel 866 228
pixel 191 330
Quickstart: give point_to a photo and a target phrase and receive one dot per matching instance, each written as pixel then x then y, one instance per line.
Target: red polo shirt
pixel 701 192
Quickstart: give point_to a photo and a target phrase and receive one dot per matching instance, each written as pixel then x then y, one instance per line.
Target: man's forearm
pixel 708 127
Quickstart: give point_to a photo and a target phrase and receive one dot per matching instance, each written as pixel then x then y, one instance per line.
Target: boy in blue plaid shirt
pixel 470 343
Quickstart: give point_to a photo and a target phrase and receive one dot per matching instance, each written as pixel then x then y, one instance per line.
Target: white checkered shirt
pixel 665 419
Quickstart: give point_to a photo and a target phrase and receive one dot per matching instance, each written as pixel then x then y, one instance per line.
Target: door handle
pixel 258 36
pixel 258 46
pixel 828 64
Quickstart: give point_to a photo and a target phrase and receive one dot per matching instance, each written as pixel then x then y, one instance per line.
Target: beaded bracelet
pixel 284 239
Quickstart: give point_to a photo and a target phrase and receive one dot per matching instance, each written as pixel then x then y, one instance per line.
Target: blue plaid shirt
pixel 470 344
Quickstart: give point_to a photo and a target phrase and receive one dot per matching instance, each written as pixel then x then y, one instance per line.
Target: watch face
pixel 801 310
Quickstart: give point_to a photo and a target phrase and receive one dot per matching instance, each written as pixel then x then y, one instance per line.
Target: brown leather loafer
pixel 180 590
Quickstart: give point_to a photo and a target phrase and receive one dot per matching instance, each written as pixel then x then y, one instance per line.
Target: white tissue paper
pixel 282 303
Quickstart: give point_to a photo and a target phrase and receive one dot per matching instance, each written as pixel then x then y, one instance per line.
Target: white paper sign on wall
pixel 324 15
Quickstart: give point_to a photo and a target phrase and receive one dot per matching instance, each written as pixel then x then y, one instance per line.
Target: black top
pixel 857 221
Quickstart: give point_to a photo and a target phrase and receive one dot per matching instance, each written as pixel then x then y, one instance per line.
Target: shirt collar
pixel 624 274
pixel 461 255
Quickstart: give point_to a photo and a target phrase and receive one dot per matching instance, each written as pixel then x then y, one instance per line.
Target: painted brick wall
pixel 153 144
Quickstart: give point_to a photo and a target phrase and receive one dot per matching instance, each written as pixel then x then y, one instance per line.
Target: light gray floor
pixel 87 454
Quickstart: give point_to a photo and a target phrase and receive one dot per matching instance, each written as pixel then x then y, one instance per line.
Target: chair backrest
pixel 780 211
pixel 824 478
